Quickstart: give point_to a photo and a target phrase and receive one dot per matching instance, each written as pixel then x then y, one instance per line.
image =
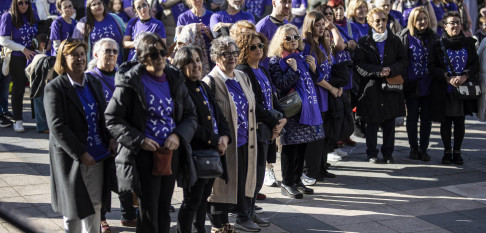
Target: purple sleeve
pixel 251 17
pixel 56 30
pixel 180 20
pixel 127 3
pixel 130 26
pixel 6 25
pixel 161 30
pixel 214 20
pixel 452 7
pixel 266 3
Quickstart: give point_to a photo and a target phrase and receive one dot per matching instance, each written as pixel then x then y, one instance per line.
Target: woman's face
pixel 319 28
pixel 193 70
pixel 339 12
pixel 196 3
pixel 23 6
pixel 327 38
pixel 142 9
pixel 97 8
pixel 76 61
pixel 385 4
pixel 155 61
pixel 227 59
pixel 256 50
pixel 328 15
pixel 67 8
pixel 361 11
pixel 422 22
pixel 291 41
pixel 379 22
pixel 107 56
pixel 117 5
pixel 453 26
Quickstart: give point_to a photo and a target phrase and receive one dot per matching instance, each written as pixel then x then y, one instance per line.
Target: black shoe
pixel 259 221
pixel 9 116
pixel 447 159
pixel 373 159
pixel 388 159
pixel 424 155
pixel 327 174
pixel 328 165
pixel 414 154
pixel 457 158
pixel 291 191
pixel 5 122
pixel 303 189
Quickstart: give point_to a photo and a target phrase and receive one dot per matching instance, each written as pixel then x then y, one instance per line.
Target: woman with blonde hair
pixel 356 14
pixel 241 27
pixel 291 71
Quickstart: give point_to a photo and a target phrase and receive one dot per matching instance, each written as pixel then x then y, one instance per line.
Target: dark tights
pixel 446 132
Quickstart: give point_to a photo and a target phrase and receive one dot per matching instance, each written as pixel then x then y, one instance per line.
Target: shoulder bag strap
pixel 448 61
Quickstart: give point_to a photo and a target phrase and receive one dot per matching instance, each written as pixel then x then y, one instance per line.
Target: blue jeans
pixel 40 114
pixel 416 107
pixel 4 88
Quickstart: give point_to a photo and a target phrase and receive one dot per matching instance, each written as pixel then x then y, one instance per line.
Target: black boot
pixel 457 158
pixel 424 156
pixel 414 154
pixel 447 159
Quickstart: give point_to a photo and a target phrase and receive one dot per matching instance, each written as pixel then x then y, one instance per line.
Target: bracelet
pixel 331 89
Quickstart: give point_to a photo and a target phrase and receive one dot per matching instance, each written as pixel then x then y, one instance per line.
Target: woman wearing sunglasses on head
pixel 152 114
pixel 290 72
pixel 18 27
pixel 142 23
pixel 254 48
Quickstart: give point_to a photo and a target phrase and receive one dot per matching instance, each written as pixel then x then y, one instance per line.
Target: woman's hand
pixel 334 91
pixel 385 72
pixel 87 159
pixel 278 128
pixel 220 25
pixel 292 63
pixel 222 144
pixel 205 30
pixel 172 142
pixel 351 45
pixel 312 62
pixel 29 54
pixel 461 79
pixel 340 92
pixel 329 25
pixel 150 145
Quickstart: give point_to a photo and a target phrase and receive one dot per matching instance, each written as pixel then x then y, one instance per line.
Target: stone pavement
pixel 409 196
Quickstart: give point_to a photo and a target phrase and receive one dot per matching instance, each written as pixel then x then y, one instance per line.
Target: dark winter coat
pixel 40 76
pixel 376 105
pixel 67 142
pixel 126 117
pixel 438 70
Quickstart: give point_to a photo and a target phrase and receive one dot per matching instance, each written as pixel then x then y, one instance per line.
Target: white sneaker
pixel 333 156
pixel 18 127
pixel 270 179
pixel 307 181
pixel 341 152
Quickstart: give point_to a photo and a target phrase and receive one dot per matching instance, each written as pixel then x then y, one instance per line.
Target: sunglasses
pixel 111 51
pixel 259 46
pixel 327 13
pixel 155 55
pixel 23 3
pixel 453 23
pixel 290 38
pixel 228 54
pixel 144 5
pixel 381 20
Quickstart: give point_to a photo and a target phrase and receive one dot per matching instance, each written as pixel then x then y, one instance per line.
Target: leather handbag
pixel 264 133
pixel 394 83
pixel 291 104
pixel 162 166
pixel 468 91
pixel 208 163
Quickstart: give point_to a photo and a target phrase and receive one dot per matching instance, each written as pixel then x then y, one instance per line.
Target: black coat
pixel 126 117
pixel 262 115
pixel 67 142
pixel 438 70
pixel 40 76
pixel 376 105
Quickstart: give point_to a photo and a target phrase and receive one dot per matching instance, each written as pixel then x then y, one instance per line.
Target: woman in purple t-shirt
pixel 17 29
pixel 142 23
pixel 63 27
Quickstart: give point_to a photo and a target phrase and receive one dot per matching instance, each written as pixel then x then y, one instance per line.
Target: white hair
pixel 97 48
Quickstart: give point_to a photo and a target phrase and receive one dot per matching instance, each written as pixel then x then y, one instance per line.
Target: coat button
pixel 205 102
pixel 251 110
pixel 209 142
pixel 209 117
pixel 251 129
pixel 252 146
pixel 198 90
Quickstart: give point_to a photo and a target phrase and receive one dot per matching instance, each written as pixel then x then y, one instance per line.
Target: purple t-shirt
pixel 95 145
pixel 136 26
pixel 417 66
pixel 363 28
pixel 381 50
pixel 5 6
pixel 53 9
pixel 458 60
pixel 107 82
pixel 107 28
pixel 160 108
pixel 267 27
pixel 324 74
pixel 241 103
pixel 211 110
pixel 298 20
pixel 265 86
pixel 257 7
pixel 60 30
pixel 23 35
pixel 177 9
pixel 224 17
pixel 188 17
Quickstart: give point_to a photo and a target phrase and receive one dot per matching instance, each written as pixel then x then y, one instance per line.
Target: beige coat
pixel 226 192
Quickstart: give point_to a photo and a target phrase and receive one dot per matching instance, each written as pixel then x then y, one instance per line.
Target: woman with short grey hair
pixel 234 95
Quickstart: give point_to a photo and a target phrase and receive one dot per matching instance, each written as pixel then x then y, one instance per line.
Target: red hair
pixel 335 3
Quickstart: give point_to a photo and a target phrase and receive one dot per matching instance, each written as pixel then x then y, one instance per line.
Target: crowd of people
pixel 135 93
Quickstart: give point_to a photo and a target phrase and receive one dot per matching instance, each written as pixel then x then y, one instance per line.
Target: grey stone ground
pixel 409 196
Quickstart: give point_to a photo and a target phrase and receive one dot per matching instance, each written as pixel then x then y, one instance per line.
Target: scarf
pixel 454 43
pixel 341 23
pixel 422 36
pixel 379 37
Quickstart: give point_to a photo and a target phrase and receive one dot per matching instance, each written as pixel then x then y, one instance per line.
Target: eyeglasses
pixel 155 55
pixel 454 23
pixel 111 51
pixel 381 20
pixel 290 38
pixel 144 5
pixel 228 54
pixel 327 13
pixel 23 3
pixel 259 45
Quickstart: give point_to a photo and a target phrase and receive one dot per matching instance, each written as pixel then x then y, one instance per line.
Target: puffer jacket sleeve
pixel 362 66
pixel 283 80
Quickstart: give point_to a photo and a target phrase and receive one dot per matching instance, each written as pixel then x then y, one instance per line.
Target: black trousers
pixel 194 205
pixel 315 158
pixel 154 204
pixel 19 79
pixel 388 146
pixel 459 132
pixel 128 212
pixel 292 163
pixel 263 150
pixel 272 152
pixel 418 107
pixel 243 205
